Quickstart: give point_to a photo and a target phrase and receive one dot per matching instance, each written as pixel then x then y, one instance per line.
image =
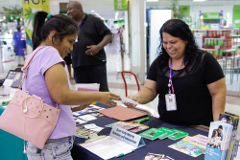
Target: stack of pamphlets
pixel 167 133
pixel 236 147
pixel 153 156
pixel 84 131
pixel 88 114
pixel 162 133
pixel 130 126
pixel 193 146
pixel 232 119
pixel 152 133
pixel 219 138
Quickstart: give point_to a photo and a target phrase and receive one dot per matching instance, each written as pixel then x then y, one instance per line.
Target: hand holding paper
pixel 129 102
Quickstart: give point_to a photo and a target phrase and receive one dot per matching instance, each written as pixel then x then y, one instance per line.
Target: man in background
pixel 88 55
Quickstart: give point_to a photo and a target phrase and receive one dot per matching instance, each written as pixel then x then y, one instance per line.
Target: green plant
pixel 15 11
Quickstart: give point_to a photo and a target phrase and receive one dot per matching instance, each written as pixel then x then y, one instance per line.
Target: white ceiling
pixel 106 7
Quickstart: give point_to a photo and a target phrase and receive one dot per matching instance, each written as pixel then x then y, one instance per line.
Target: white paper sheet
pixel 103 147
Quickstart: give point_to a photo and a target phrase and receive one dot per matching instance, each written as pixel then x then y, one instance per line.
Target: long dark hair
pixel 177 28
pixel 62 24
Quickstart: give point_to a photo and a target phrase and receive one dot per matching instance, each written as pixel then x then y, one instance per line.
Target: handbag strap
pixel 28 61
pixel 27 64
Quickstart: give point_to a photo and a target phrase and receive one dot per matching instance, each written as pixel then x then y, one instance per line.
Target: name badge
pixel 171 104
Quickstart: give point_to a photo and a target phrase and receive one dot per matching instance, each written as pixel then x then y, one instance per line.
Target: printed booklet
pixel 190 145
pixel 178 135
pixel 152 133
pixel 168 132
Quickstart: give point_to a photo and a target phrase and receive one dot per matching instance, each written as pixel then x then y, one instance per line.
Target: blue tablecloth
pixel 157 146
pixel 11 147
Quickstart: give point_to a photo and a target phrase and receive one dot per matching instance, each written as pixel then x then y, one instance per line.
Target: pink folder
pixel 121 113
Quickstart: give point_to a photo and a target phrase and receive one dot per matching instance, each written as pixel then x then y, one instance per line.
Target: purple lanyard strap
pixel 171 75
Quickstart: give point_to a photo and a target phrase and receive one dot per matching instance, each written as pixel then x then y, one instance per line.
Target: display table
pixel 11 147
pixel 157 146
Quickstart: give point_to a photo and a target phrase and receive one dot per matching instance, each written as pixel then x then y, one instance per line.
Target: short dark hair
pixel 220 126
pixel 63 25
pixel 177 28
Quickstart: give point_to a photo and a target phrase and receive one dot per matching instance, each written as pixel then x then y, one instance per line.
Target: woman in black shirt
pixel 189 82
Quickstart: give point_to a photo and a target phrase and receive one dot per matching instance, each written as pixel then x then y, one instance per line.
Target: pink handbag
pixel 27 117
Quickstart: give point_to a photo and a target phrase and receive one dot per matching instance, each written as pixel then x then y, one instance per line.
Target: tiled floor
pixel 115 82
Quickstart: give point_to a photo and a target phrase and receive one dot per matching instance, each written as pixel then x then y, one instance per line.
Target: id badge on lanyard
pixel 170 98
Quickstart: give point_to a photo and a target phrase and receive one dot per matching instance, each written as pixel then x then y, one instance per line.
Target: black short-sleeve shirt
pixel 194 102
pixel 92 31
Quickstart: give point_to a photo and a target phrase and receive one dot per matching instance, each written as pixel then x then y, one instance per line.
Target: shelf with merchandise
pixel 215 41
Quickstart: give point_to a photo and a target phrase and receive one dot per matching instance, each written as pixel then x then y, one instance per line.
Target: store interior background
pixel 141 29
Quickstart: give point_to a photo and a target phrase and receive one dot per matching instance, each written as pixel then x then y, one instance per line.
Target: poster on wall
pixel 30 7
pixel 120 5
pixel 236 15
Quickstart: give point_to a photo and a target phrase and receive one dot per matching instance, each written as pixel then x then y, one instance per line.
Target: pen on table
pixel 123 154
pixel 143 120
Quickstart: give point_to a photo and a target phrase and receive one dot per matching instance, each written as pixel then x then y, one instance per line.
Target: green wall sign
pixel 236 15
pixel 211 15
pixel 120 5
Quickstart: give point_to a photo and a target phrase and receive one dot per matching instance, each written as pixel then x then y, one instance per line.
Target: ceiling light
pixel 199 0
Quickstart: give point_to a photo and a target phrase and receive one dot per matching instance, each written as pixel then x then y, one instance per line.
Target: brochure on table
pixel 120 142
pixel 219 137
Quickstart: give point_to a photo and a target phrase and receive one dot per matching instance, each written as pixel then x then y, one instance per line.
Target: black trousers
pixel 92 74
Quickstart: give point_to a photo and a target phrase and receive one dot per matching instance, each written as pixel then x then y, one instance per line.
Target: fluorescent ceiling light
pixel 199 0
pixel 152 0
